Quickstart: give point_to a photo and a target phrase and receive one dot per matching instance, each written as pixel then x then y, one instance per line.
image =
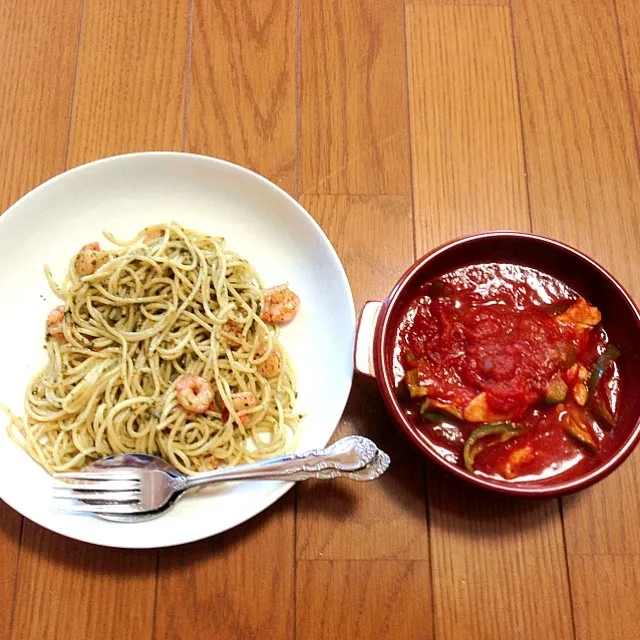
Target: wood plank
pixel 10 535
pixel 469 176
pixel 35 92
pixel 467 159
pixel 353 116
pixel 363 229
pixel 354 141
pixel 241 582
pixel 139 105
pixel 116 108
pixel 584 185
pixel 460 3
pixel 363 600
pixel 242 101
pixel 242 107
pixel 629 22
pixel 385 519
pixel 35 95
pixel 582 165
pixel 487 554
pixel 599 613
pixel 74 590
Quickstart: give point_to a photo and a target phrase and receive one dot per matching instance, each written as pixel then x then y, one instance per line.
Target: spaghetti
pixel 143 327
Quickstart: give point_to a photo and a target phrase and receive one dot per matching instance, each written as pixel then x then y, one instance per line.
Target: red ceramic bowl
pixel 621 318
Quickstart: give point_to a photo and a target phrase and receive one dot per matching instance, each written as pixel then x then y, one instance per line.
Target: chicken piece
pixel 581 316
pixel 582 373
pixel 478 411
pixel 580 393
pixel 516 458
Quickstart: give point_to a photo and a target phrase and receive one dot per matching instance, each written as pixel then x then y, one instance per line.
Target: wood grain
pixel 363 230
pixel 582 166
pixel 498 565
pixel 242 101
pixel 242 107
pixel 35 106
pixel 584 186
pixel 460 3
pixel 385 519
pixel 629 23
pixel 130 87
pixel 38 45
pixel 73 590
pixel 353 112
pixel 116 108
pixel 238 585
pixel 364 119
pixel 10 539
pixel 468 170
pixel 363 600
pixel 598 612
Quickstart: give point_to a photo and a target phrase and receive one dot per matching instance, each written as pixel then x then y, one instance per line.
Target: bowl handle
pixel 364 338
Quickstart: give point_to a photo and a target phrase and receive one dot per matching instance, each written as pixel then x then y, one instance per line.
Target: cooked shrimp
pixel 244 400
pixel 235 331
pixel 55 322
pixel 272 366
pixel 211 463
pixel 280 305
pixel 152 235
pixel 195 393
pixel 89 259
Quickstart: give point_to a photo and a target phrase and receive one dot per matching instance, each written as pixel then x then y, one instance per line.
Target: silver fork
pixel 137 484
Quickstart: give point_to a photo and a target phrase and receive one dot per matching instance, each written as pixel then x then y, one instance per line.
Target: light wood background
pixel 398 125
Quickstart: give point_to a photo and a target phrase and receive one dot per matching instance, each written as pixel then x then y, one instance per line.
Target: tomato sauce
pixel 515 342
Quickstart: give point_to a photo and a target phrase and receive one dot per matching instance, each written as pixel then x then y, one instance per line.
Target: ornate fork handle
pixel 373 470
pixel 344 456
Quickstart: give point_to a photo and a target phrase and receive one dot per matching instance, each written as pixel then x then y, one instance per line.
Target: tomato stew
pixel 508 372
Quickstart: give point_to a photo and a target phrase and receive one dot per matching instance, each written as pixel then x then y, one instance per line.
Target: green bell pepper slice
pixel 505 430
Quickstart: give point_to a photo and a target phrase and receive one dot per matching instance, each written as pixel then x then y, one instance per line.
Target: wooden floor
pixel 398 125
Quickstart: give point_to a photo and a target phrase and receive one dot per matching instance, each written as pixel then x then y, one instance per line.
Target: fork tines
pixel 82 507
pixel 97 492
pixel 111 485
pixel 96 475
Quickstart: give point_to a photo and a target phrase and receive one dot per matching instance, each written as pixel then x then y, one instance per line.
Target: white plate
pixel 123 194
